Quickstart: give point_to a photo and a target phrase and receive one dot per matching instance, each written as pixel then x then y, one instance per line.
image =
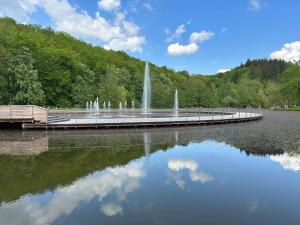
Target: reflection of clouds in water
pixel 190 165
pixel 200 176
pixel 253 205
pixel 119 181
pixel 111 209
pixel 288 162
pixel 180 164
pixel 178 180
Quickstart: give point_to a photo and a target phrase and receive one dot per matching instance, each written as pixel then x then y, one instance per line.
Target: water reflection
pixel 192 166
pixel 111 184
pixel 194 173
pixel 22 143
pixel 147 143
pixel 102 175
pixel 288 161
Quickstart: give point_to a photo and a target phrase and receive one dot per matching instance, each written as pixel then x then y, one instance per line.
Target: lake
pixel 246 173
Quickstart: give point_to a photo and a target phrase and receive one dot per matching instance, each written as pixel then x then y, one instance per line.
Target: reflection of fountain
pixel 147 144
pixel 146 103
pixel 176 103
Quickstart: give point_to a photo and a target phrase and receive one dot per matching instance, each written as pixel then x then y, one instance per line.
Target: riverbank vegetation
pixel 48 68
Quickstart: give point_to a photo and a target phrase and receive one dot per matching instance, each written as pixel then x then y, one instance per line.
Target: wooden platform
pixel 23 114
pixel 127 122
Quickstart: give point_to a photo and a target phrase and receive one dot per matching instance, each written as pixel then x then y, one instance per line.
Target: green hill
pixel 40 66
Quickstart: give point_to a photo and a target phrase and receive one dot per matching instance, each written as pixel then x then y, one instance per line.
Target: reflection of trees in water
pixel 109 187
pixel 76 153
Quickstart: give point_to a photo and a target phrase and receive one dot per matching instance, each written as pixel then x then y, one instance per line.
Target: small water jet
pixel 97 105
pixel 176 103
pixel 108 105
pixel 146 103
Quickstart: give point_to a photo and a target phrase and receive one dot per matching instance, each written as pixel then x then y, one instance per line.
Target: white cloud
pixel 201 36
pixel 288 162
pixel 148 6
pixel 109 5
pixel 119 34
pixel 18 9
pixel 223 70
pixel 178 49
pixel 290 52
pixel 127 43
pixel 177 34
pixel 255 4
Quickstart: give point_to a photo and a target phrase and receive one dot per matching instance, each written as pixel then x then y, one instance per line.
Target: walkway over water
pixel 34 117
pixel 23 114
pixel 119 121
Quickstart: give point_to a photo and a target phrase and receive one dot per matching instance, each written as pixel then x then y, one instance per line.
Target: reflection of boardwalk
pixel 149 121
pixel 24 146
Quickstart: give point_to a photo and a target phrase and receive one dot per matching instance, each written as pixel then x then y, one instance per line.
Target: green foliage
pixel 24 79
pixel 290 85
pixel 59 70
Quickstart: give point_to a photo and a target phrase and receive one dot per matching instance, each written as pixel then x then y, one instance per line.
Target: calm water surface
pixel 230 174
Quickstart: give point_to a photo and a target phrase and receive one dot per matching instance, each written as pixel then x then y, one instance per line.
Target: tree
pixel 25 79
pixel 82 88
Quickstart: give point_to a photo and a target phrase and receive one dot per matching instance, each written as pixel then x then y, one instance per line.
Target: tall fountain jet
pixel 176 103
pixel 146 103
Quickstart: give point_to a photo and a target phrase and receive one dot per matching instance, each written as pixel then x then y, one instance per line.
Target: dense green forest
pixel 48 68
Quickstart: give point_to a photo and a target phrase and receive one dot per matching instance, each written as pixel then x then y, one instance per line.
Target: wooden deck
pixel 23 114
pixel 127 122
pixel 34 117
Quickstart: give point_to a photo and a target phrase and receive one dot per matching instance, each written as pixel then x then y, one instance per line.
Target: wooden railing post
pixel 9 111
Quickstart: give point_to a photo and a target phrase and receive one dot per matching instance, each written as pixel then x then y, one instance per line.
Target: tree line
pixel 47 68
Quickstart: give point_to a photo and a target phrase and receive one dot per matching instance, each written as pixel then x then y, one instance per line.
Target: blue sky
pixel 200 36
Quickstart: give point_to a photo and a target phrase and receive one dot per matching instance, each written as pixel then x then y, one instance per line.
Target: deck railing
pixel 21 113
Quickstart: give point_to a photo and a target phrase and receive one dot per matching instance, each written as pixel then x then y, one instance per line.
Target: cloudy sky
pixel 201 36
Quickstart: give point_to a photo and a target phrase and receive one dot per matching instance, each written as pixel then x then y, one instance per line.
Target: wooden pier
pixel 19 114
pixel 126 122
pixel 34 117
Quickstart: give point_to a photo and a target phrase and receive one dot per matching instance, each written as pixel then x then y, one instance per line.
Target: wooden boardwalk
pixel 127 122
pixel 34 117
pixel 23 114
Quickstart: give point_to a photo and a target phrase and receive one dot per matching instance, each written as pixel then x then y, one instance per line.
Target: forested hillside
pixel 40 66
